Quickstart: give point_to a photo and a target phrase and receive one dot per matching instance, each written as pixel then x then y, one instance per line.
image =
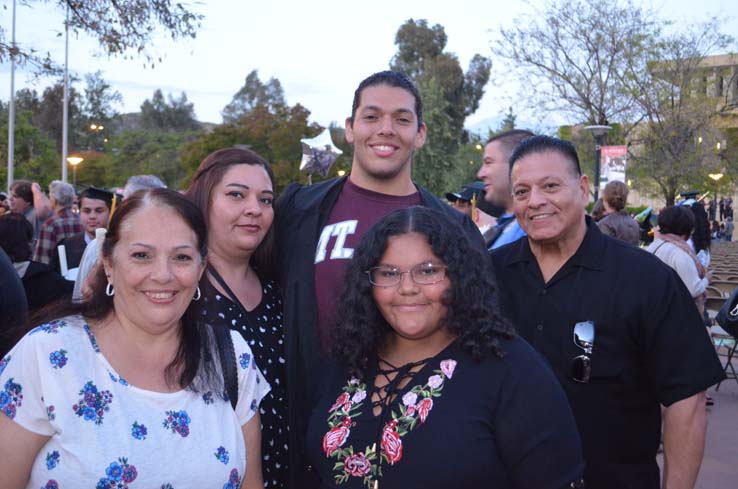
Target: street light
pixel 599 133
pixel 715 176
pixel 74 161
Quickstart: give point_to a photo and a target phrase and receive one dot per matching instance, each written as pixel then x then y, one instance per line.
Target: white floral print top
pixel 105 433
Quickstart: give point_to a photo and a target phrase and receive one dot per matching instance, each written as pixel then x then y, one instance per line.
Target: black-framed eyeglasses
pixel 426 273
pixel 581 366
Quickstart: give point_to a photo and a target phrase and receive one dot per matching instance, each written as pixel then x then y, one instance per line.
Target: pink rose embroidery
pixel 447 367
pixel 336 437
pixel 357 465
pixel 342 399
pixel 391 442
pixel 435 381
pixel 424 408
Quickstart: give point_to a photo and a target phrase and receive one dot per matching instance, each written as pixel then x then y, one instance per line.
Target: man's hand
pixel 685 425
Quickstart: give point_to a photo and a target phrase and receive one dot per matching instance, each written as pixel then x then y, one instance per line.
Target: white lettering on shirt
pixel 340 230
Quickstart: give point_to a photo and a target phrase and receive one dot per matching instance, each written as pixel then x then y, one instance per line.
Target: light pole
pixel 11 106
pixel 599 133
pixel 74 161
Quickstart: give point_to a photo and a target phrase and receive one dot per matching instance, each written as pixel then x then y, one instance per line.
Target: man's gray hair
pixel 62 193
pixel 141 182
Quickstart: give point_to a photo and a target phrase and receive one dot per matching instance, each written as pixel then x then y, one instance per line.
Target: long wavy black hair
pixel 473 311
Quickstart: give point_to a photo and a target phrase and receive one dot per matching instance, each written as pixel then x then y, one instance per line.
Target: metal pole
pixel 65 122
pixel 11 107
pixel 598 151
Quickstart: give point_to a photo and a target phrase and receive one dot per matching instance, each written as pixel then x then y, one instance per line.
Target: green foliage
pixel 254 94
pixel 35 157
pixel 171 115
pixel 273 135
pixel 119 28
pixel 135 152
pixel 449 95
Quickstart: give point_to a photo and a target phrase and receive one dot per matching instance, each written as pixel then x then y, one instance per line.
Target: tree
pixel 119 27
pixel 254 94
pixel 420 55
pixel 35 157
pixel 449 95
pixel 48 115
pixel 99 111
pixel 169 115
pixel 676 145
pixel 273 135
pixel 569 58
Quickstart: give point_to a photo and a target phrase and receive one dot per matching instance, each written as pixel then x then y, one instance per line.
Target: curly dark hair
pixel 473 311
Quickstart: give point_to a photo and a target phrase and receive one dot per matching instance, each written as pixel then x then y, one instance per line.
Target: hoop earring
pixel 197 295
pixel 109 290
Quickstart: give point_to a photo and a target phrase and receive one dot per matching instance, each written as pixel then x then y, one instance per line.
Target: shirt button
pixel 543 292
pixel 539 327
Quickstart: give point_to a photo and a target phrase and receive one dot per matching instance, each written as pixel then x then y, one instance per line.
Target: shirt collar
pixel 588 255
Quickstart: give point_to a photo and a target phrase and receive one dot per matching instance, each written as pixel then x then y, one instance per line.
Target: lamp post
pixel 599 133
pixel 74 161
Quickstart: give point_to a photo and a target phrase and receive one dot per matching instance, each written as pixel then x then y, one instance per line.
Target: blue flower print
pixel 233 481
pixel 52 460
pixel 245 360
pixel 58 358
pixel 119 475
pixel 167 486
pixel 11 398
pixel 4 363
pixel 178 422
pixel 139 431
pixel 49 328
pixel 52 484
pixel 117 380
pixel 50 413
pixel 222 455
pixel 254 405
pixel 93 404
pixel 207 398
pixel 93 341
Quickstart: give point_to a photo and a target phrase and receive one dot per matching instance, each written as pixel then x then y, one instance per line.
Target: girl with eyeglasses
pixel 430 386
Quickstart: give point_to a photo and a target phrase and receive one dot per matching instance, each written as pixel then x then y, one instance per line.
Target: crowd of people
pixel 355 333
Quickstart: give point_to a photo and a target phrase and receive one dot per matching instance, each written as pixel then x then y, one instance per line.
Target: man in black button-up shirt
pixel 649 348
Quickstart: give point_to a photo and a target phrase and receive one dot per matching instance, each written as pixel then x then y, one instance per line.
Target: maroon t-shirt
pixel 355 211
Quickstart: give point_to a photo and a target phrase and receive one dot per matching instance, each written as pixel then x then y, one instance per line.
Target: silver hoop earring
pixel 197 294
pixel 109 290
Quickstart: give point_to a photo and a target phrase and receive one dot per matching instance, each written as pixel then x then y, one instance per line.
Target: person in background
pixel 4 203
pixel 13 303
pixel 495 173
pixel 28 199
pixel 670 245
pixel 95 204
pixel 234 189
pixel 617 326
pixel 729 227
pixel 42 283
pixel 461 201
pixel 63 224
pixel 616 221
pixel 424 354
pixel 141 182
pixel 598 210
pixel 133 372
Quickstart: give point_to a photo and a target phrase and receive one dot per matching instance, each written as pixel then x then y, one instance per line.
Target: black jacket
pixel 74 246
pixel 301 214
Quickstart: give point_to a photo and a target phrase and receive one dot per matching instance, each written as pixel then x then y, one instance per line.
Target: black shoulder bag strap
pixel 225 344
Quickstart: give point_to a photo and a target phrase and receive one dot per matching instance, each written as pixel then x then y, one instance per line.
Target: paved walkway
pixel 720 464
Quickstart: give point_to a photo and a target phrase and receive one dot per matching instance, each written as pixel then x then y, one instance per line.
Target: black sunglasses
pixel 581 366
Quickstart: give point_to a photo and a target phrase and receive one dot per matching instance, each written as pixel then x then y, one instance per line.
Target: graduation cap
pixel 99 194
pixel 468 190
pixel 691 194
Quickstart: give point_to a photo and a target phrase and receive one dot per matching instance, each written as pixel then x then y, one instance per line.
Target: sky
pixel 319 50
